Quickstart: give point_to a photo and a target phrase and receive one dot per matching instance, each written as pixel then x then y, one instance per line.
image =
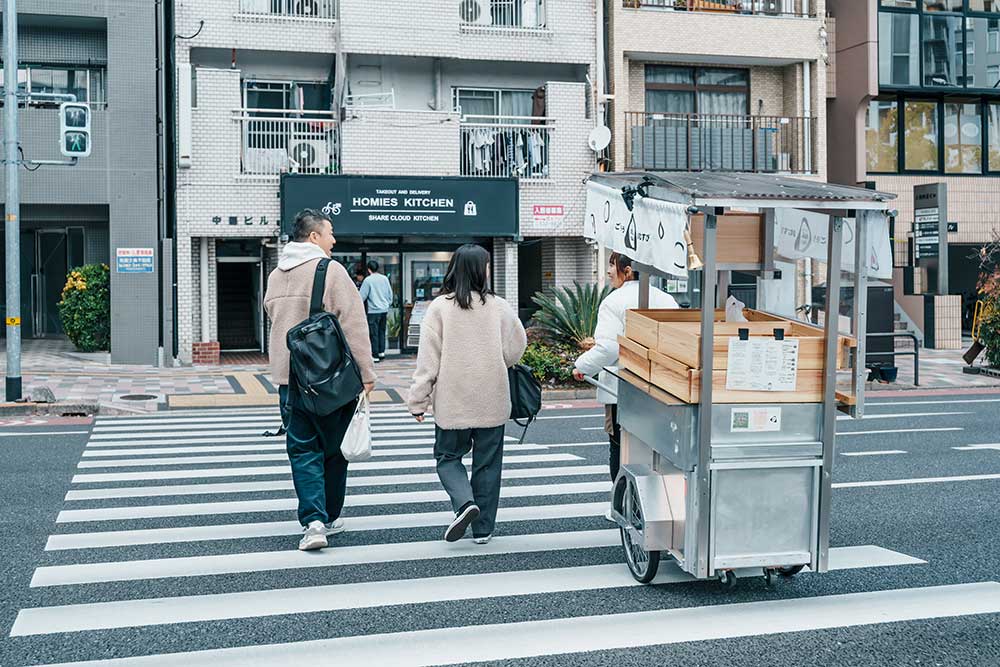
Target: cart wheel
pixel 790 571
pixel 728 579
pixel 768 576
pixel 641 563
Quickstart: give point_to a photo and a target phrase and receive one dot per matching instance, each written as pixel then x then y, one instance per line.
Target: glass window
pixel 898 39
pixel 97 89
pixel 669 101
pixel 908 4
pixel 709 90
pixel 314 96
pixel 682 76
pixel 940 50
pixel 723 77
pixel 984 5
pixel 992 35
pixel 920 135
pixel 992 76
pixel 963 141
pixel 881 136
pixel 942 5
pixel 993 118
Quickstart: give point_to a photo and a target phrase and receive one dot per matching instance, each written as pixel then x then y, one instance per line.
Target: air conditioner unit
pixel 530 14
pixel 309 152
pixel 255 6
pixel 322 9
pixel 475 11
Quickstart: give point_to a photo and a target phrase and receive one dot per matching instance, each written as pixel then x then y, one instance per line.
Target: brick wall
pixel 505 269
pixel 395 143
pixel 226 27
pixel 973 202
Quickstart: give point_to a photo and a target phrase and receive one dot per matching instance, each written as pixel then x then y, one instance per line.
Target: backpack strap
pixel 319 287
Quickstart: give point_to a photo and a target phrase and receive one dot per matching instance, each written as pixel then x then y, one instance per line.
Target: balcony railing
pixel 702 142
pixel 800 8
pixel 290 9
pixel 528 14
pixel 506 146
pixel 299 142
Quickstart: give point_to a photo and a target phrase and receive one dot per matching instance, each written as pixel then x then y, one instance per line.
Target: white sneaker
pixel 314 537
pixel 483 540
pixel 335 527
pixel 607 515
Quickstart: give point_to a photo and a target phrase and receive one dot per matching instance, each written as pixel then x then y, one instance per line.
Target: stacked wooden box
pixel 663 347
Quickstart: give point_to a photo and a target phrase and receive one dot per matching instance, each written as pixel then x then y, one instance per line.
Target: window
pixel 992 76
pixel 940 50
pixel 882 135
pixel 920 135
pixel 906 4
pixel 984 5
pixel 992 35
pixel 942 5
pixel 493 102
pixel 698 90
pixel 993 123
pixel 898 48
pixel 86 84
pixel 286 95
pixel 963 141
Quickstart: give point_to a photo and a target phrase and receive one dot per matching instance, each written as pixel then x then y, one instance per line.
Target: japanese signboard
pixel 134 260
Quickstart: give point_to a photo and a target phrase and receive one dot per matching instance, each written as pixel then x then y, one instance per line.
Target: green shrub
pixel 570 315
pixel 989 334
pixel 85 309
pixel 551 363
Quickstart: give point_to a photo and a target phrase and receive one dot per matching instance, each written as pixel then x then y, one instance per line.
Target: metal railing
pixel 291 9
pixel 915 352
pixel 299 142
pixel 502 13
pixel 799 8
pixel 505 146
pixel 379 101
pixel 715 142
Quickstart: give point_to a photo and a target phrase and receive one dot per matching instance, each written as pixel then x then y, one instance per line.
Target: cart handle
pixel 600 385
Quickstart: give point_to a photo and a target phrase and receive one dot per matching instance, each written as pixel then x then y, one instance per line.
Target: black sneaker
pixel 465 516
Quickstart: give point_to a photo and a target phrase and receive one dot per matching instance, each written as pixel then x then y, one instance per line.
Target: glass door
pixel 51 279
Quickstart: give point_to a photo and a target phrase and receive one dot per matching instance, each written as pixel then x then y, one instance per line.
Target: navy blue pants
pixel 319 470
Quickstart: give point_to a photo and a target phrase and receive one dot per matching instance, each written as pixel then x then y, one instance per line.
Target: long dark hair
pixel 468 272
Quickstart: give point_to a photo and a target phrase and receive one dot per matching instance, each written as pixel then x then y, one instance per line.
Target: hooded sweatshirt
pixel 289 289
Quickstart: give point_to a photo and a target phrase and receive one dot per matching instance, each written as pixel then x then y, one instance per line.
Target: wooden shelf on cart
pixel 739 239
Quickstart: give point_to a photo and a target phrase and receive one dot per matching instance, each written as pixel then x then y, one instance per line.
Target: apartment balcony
pixel 277 142
pixel 703 142
pixel 793 8
pixel 494 146
pixel 502 14
pixel 288 10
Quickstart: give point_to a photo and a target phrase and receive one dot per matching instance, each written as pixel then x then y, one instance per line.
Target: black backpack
pixel 322 367
pixel 525 396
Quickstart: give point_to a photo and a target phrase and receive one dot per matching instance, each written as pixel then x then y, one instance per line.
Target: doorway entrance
pixel 239 286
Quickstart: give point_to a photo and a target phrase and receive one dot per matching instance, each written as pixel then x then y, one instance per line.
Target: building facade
pixel 105 54
pixel 919 103
pixel 390 104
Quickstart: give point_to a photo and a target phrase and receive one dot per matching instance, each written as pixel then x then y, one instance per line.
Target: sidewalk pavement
pixel 84 378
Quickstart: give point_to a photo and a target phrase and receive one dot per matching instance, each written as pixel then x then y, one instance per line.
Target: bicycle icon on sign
pixel 331 208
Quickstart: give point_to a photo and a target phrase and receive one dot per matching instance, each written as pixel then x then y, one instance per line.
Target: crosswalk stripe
pixel 972 448
pixel 232 432
pixel 902 415
pixel 841 434
pixel 239 531
pixel 882 452
pixel 257 604
pixel 147 458
pixel 197 566
pixel 387 408
pixel 380 438
pixel 526 639
pixel 384 445
pixel 200 473
pixel 916 480
pixel 278 504
pixel 180 426
pixel 282 485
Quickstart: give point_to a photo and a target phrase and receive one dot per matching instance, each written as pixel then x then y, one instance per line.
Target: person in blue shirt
pixel 376 292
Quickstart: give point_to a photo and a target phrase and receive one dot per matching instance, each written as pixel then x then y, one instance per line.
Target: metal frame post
pixel 708 285
pixel 860 318
pixel 12 204
pixel 832 334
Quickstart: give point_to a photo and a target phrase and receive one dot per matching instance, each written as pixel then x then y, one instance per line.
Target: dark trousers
pixel 376 332
pixel 319 470
pixel 614 439
pixel 487 462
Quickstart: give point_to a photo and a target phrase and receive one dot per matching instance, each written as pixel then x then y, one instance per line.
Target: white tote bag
pixel 357 444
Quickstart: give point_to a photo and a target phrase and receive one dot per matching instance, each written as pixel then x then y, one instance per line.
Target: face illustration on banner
pixel 630 240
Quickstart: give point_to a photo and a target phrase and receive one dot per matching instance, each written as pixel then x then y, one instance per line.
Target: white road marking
pixel 510 641
pixel 288 559
pixel 200 473
pixel 239 531
pixel 22 434
pixel 258 604
pixel 903 415
pixel 884 452
pixel 902 430
pixel 232 432
pixel 182 425
pixel 972 448
pixel 281 504
pixel 952 400
pixel 916 480
pixel 379 438
pixel 588 416
pixel 284 485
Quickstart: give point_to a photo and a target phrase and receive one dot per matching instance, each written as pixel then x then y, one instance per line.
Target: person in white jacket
pixel 610 325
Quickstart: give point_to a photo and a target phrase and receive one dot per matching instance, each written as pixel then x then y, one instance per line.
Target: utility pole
pixel 12 205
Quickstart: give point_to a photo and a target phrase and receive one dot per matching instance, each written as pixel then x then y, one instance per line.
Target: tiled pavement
pixel 244 381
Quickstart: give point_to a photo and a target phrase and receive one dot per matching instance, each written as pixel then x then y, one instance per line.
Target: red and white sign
pixel 548 215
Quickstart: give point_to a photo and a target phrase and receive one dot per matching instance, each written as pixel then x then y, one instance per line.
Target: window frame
pixel 27 68
pixel 695 87
pixel 498 93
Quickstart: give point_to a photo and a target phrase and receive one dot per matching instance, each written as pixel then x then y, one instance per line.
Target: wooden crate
pixel 633 357
pixel 642 326
pixel 739 240
pixel 684 382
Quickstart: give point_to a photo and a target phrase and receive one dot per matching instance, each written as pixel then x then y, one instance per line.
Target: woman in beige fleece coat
pixel 469 337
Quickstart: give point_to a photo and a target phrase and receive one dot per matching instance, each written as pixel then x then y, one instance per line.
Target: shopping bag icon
pixel 470 208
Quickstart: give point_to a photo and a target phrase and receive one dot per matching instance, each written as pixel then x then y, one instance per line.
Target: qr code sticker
pixel 741 420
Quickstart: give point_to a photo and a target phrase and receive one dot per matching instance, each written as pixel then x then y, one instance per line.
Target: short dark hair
pixel 307 221
pixel 467 273
pixel 620 262
pixel 373 266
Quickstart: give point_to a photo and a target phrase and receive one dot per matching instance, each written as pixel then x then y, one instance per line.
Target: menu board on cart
pixel 762 364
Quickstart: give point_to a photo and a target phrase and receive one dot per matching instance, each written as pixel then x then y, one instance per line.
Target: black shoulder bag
pixel 525 396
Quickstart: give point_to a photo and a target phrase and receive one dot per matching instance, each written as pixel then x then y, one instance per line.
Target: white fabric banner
pixel 652 233
pixel 803 234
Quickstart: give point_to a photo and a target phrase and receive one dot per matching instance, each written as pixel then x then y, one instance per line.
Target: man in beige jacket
pixel 319 470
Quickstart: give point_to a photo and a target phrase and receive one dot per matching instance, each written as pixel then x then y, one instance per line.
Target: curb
pixel 567 394
pixel 49 409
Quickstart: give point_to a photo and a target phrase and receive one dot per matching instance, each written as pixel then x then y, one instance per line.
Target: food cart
pixel 731 476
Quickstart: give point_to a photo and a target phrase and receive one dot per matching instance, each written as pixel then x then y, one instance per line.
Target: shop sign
pixel 548 216
pixel 241 220
pixel 803 234
pixel 405 205
pixel 134 260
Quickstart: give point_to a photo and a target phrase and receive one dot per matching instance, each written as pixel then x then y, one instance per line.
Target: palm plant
pixel 569 315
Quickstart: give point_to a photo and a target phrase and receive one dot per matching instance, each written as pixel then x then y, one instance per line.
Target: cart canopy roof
pixel 740 189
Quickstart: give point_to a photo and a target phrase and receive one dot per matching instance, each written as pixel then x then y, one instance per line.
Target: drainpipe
pixel 438 106
pixel 807 112
pixel 206 335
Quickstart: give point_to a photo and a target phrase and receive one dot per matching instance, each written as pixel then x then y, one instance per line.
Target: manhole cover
pixel 137 397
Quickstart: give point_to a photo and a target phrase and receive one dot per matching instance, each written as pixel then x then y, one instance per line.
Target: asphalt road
pixel 121 544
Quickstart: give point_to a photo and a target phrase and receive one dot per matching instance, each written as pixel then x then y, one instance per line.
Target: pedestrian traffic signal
pixel 74 129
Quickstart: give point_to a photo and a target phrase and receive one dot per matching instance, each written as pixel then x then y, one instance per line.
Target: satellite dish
pixel 599 138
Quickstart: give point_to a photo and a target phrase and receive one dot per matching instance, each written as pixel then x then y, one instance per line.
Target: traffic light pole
pixel 12 203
